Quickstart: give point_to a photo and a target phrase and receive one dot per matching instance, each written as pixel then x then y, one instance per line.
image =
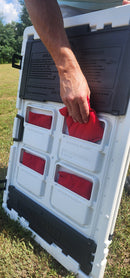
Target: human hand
pixel 74 90
pixel 125 2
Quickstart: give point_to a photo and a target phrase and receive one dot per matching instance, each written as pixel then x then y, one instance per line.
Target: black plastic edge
pixel 14 61
pixel 53 230
pixel 78 31
pixel 25 65
pixel 21 128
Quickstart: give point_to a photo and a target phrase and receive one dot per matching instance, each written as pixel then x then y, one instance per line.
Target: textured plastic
pixel 104 59
pixel 70 222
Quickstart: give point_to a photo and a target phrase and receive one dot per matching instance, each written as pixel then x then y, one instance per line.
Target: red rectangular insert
pixel 40 120
pixel 76 184
pixel 33 162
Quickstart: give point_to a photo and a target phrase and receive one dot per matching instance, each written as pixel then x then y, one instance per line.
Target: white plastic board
pixel 103 164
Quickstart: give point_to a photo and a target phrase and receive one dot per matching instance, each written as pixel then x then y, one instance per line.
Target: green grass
pixel 20 255
pixel 8 92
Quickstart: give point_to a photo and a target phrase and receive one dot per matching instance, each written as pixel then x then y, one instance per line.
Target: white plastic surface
pixel 103 163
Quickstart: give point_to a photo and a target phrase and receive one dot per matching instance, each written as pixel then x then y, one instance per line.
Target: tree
pixel 11 35
pixel 24 16
pixel 20 26
pixel 1 39
pixel 7 41
pixel 25 19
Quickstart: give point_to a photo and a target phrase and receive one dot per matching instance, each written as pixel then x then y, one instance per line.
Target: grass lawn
pixel 20 255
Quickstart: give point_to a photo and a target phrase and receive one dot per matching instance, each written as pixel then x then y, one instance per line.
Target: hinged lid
pixel 104 59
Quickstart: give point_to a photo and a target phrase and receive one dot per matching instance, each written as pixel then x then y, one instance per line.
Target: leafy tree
pixel 24 16
pixel 20 26
pixel 7 41
pixel 11 35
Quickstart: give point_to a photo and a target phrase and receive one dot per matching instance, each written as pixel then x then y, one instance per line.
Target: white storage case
pixel 75 230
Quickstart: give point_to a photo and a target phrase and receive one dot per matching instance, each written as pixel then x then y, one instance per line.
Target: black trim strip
pixel 53 230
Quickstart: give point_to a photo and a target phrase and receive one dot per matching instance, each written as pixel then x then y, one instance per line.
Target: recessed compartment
pixel 85 154
pixel 91 131
pixel 31 172
pixel 39 117
pixel 33 162
pixel 75 183
pixel 74 194
pixel 38 128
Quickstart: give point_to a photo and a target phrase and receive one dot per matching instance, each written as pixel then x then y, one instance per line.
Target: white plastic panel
pixel 36 131
pixel 118 16
pixel 30 181
pixel 36 138
pixel 103 163
pixel 70 205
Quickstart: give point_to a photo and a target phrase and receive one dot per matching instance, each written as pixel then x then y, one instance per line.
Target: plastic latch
pixel 20 128
pixel 15 60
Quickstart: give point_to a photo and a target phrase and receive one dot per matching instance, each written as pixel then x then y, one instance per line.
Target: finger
pixel 76 115
pixel 69 108
pixel 84 110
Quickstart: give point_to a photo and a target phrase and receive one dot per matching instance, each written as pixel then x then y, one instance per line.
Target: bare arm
pixel 47 20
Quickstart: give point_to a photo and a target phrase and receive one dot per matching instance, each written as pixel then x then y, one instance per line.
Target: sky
pixel 10 10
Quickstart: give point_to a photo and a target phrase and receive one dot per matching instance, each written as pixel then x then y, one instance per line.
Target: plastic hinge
pixel 15 58
pixel 20 129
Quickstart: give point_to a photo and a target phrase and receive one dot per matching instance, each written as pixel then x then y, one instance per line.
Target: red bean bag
pixel 76 184
pixel 33 162
pixel 40 120
pixel 90 131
